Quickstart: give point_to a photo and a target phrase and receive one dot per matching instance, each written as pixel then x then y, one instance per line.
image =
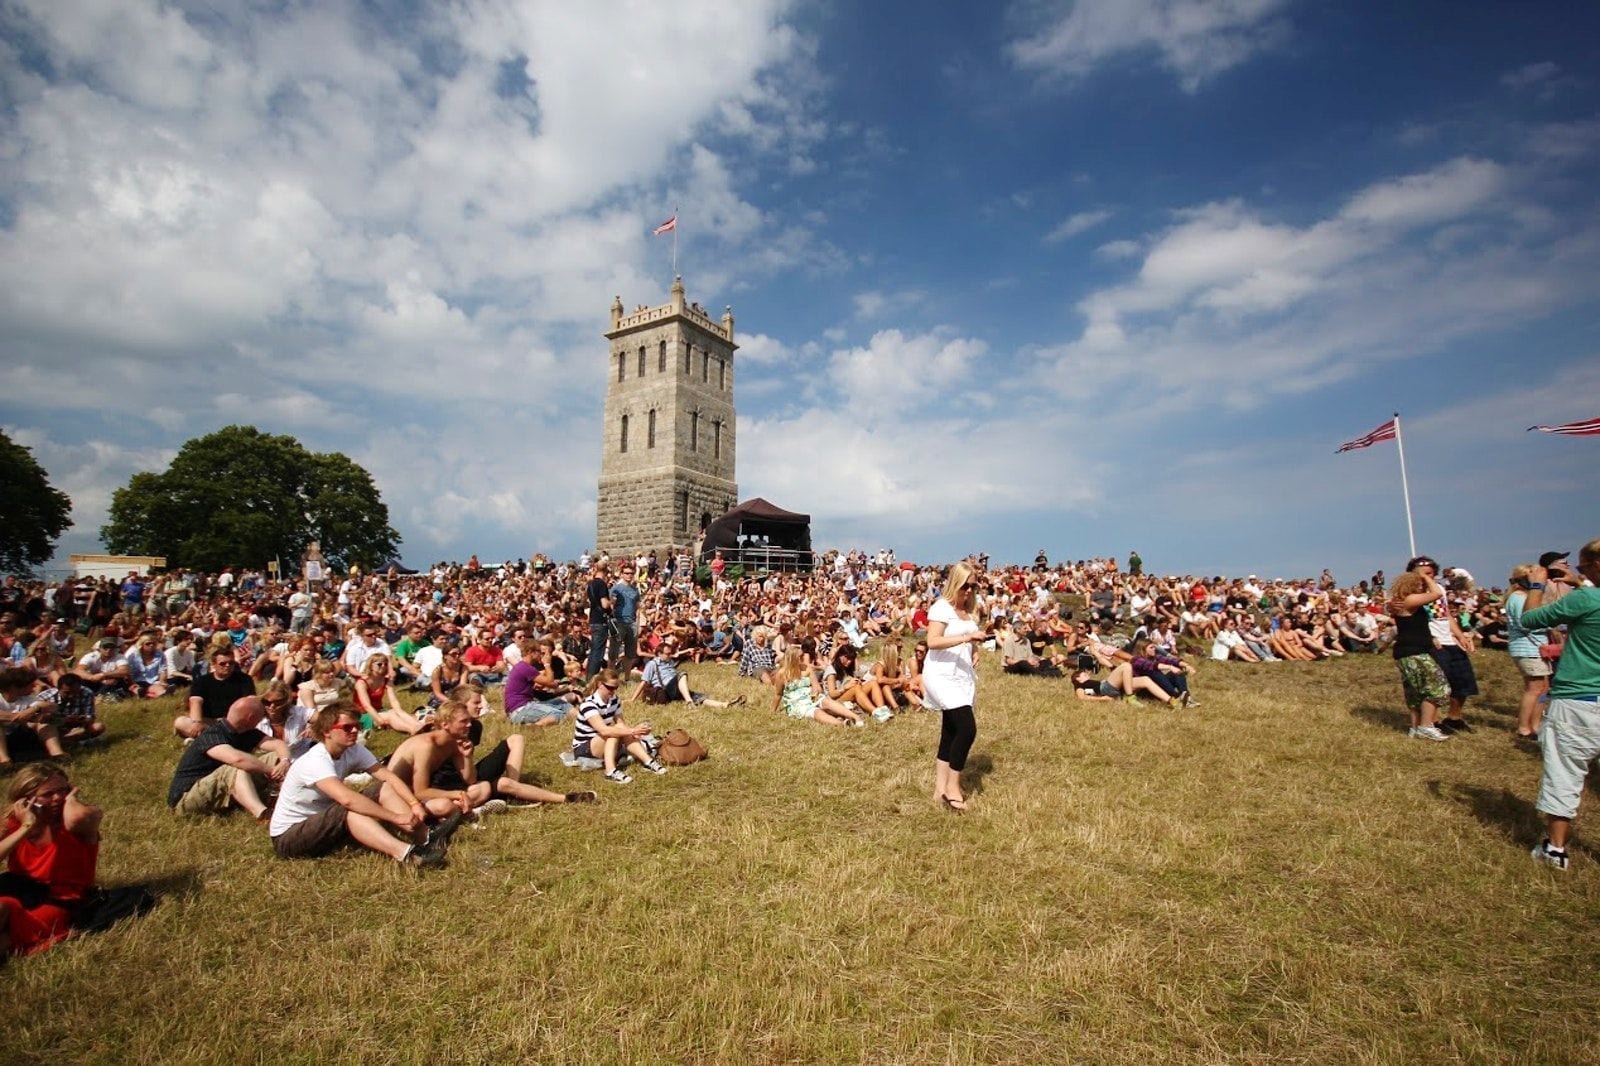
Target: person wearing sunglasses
pixel 601 733
pixel 950 679
pixel 1570 734
pixel 318 813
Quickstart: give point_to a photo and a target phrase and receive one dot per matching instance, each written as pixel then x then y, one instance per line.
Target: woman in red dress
pixel 51 843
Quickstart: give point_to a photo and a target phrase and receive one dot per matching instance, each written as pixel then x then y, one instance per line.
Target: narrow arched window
pixel 722 374
pixel 716 440
pixel 705 365
pixel 650 430
pixel 694 431
pixel 622 365
pixel 662 368
pixel 641 360
pixel 624 433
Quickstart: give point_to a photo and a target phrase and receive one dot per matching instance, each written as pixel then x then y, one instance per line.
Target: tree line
pixel 234 497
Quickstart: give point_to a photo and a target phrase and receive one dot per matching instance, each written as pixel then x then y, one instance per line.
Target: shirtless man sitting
pixel 437 763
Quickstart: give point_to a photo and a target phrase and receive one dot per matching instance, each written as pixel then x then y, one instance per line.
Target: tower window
pixel 641 360
pixel 683 510
pixel 650 430
pixel 722 374
pixel 716 440
pixel 622 365
pixel 705 364
pixel 694 431
pixel 688 358
pixel 662 368
pixel 624 433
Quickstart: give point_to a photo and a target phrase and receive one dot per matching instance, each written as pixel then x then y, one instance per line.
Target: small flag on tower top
pixel 1383 432
pixel 666 227
pixel 1589 427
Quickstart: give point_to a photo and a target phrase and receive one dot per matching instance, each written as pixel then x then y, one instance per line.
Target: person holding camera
pixel 1570 737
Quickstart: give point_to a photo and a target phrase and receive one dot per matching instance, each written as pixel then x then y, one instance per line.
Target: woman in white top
pixel 950 682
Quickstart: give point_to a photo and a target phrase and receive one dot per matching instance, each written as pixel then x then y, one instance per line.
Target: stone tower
pixel 666 458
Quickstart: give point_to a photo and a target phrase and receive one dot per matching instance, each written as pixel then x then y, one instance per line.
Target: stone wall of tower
pixel 668 446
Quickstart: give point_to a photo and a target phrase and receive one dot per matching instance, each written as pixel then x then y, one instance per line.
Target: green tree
pixel 35 513
pixel 242 496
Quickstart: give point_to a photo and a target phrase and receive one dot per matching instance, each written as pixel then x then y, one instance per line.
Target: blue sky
pixel 1092 276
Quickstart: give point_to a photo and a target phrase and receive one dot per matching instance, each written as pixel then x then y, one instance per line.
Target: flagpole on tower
pixel 1405 485
pixel 674 240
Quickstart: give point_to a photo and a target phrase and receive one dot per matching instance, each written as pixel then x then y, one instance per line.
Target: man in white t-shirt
pixel 364 647
pixel 318 813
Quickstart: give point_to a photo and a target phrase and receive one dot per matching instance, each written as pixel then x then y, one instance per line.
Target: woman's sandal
pixel 954 805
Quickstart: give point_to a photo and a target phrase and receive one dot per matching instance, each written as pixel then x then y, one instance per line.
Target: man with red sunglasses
pixel 318 813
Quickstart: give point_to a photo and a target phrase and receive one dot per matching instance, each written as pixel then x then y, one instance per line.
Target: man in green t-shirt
pixel 405 651
pixel 1570 736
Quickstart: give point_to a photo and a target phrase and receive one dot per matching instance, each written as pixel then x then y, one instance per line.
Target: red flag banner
pixel 1589 427
pixel 666 227
pixel 1383 432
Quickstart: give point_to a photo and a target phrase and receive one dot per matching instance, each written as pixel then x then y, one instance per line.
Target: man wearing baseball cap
pixel 1570 736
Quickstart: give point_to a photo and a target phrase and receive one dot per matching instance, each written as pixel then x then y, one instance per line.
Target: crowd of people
pixel 282 682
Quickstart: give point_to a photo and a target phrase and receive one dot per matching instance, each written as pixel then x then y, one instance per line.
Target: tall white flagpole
pixel 1405 486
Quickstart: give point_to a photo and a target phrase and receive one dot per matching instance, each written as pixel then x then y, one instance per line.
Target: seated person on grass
pixel 75 713
pixel 533 692
pixel 758 658
pixel 484 661
pixel 1017 655
pixel 842 683
pixel 213 693
pixel 318 813
pixel 220 768
pixel 799 695
pixel 892 677
pixel 438 764
pixel 1170 673
pixel 379 704
pixel 105 669
pixel 147 666
pixel 601 733
pixel 286 719
pixel 1230 644
pixel 661 675
pixel 23 710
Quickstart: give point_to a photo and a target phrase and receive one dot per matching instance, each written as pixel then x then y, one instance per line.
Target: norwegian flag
pixel 666 227
pixel 1383 432
pixel 1589 427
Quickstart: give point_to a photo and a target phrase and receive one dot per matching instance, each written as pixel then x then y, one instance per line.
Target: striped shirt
pixel 584 731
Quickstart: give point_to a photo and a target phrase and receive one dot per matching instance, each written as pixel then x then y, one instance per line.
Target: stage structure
pixel 761 536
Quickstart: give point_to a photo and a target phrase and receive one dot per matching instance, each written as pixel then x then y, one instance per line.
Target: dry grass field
pixel 1277 875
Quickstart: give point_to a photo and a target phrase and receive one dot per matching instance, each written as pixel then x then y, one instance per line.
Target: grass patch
pixel 1277 875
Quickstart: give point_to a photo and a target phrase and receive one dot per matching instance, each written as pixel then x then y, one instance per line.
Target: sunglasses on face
pixel 349 728
pixel 276 703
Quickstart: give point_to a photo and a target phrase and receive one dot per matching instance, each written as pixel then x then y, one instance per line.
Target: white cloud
pixel 1081 222
pixel 1118 249
pixel 875 304
pixel 907 368
pixel 758 349
pixel 1195 39
pixel 313 216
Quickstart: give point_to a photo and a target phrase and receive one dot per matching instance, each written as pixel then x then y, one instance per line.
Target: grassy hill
pixel 1278 874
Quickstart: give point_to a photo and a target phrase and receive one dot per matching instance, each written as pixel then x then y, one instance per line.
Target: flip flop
pixel 952 805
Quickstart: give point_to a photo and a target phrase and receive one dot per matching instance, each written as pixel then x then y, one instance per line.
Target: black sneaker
pixel 439 836
pixel 1457 725
pixel 1447 726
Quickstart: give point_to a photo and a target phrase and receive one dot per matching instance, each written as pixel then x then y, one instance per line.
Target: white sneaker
pixel 655 767
pixel 1428 732
pixel 494 806
pixel 617 777
pixel 1543 852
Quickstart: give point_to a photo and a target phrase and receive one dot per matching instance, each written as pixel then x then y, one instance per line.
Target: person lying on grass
pixel 438 764
pixel 799 695
pixel 601 733
pixel 1120 684
pixel 661 675
pixel 318 813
